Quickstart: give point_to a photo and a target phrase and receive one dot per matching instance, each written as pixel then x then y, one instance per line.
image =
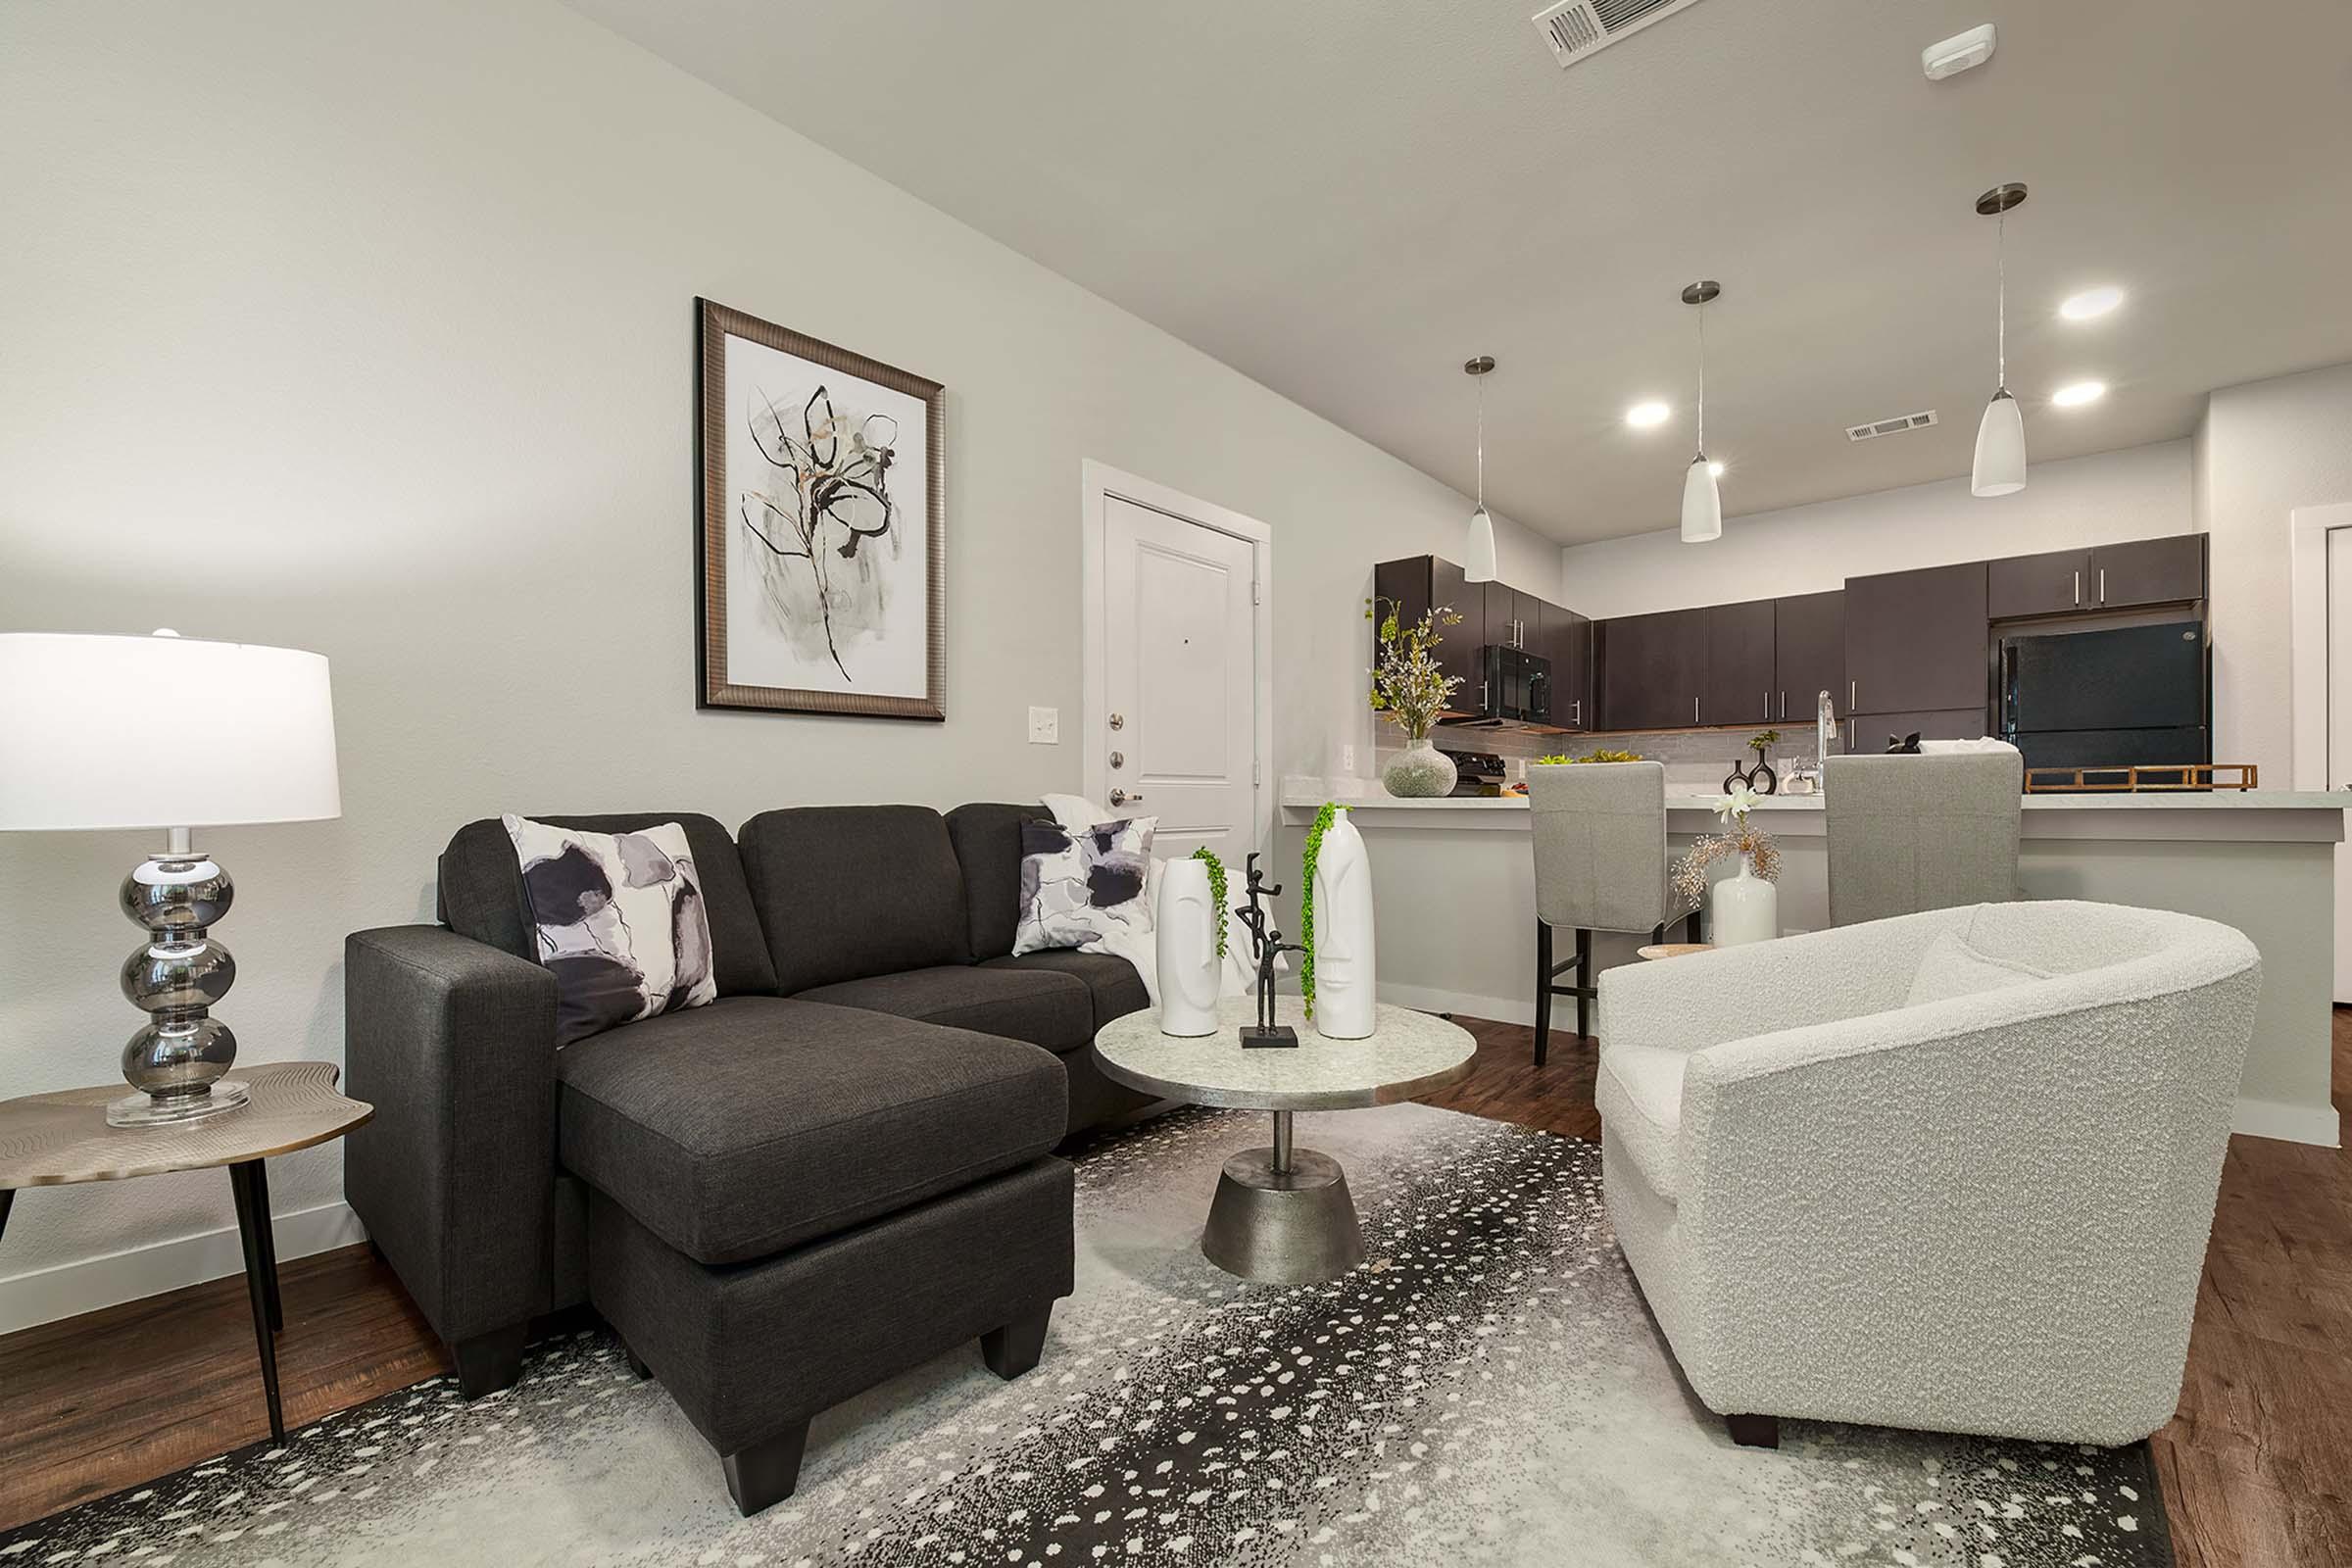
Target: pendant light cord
pixel 2001 265
pixel 1702 379
pixel 1481 443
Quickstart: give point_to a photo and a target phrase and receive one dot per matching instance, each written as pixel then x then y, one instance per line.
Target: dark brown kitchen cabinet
pixel 1738 686
pixel 1565 638
pixel 1418 583
pixel 1915 641
pixel 2046 584
pixel 2146 572
pixel 1652 669
pixel 1808 653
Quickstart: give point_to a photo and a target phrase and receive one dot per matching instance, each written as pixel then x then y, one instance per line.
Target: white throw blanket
pixel 1140 947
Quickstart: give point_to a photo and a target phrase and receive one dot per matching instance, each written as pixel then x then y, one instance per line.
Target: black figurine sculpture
pixel 1267 946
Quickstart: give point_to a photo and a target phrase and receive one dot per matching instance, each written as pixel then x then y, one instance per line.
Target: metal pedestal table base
pixel 1283 1215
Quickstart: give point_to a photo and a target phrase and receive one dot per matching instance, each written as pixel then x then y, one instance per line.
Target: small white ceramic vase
pixel 1419 771
pixel 1344 941
pixel 1743 909
pixel 1185 938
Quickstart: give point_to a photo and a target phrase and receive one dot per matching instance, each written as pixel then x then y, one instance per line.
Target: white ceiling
pixel 1344 201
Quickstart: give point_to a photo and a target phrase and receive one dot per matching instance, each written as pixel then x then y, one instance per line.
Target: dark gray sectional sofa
pixel 840 1168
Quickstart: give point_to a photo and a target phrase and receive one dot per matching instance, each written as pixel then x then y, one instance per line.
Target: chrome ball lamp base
pixel 179 1060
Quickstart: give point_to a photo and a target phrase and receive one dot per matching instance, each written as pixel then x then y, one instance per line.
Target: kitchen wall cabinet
pixel 1808 653
pixel 1566 639
pixel 1739 685
pixel 1652 669
pixel 1414 585
pixel 1915 642
pixel 1494 612
pixel 2047 584
pixel 2147 571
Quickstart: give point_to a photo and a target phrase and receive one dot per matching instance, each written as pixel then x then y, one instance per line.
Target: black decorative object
pixel 1760 778
pixel 1903 745
pixel 1266 947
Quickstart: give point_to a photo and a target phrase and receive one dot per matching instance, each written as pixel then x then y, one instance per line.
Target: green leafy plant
pixel 1306 904
pixel 1591 757
pixel 1765 738
pixel 1407 683
pixel 1216 889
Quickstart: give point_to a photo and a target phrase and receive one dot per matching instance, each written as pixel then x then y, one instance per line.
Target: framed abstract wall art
pixel 821 514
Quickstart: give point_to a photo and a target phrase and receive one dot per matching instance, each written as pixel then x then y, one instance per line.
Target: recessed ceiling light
pixel 1641 415
pixel 2075 395
pixel 1715 468
pixel 2091 303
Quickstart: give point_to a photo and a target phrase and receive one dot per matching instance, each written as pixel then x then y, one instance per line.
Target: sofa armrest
pixel 454 1043
pixel 1703 999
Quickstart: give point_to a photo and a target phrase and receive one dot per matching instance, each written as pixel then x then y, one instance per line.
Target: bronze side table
pixel 58 1139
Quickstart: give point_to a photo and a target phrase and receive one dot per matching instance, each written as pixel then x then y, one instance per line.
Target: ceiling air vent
pixel 1576 28
pixel 1894 426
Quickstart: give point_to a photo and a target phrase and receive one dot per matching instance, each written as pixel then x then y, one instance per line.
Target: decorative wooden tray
pixel 2112 781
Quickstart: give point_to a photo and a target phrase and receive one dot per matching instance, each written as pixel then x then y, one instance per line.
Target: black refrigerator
pixel 2127 696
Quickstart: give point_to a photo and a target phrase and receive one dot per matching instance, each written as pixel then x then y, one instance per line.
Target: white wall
pixel 2264 450
pixel 368 328
pixel 2138 493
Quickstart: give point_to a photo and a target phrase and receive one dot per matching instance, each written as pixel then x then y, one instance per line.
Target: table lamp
pixel 172 733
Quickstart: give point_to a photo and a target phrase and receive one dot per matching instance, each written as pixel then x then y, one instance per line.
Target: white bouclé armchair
pixel 1954 1170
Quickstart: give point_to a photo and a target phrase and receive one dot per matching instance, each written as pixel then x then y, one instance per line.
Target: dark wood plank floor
pixel 2257 1467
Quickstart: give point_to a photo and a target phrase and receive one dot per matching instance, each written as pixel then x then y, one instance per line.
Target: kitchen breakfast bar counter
pixel 1454 887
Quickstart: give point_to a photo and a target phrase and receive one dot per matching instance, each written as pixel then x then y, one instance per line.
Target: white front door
pixel 2339 735
pixel 1179 722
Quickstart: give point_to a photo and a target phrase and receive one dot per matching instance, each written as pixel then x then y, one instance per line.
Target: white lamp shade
pixel 2000 469
pixel 1702 504
pixel 132 732
pixel 1478 565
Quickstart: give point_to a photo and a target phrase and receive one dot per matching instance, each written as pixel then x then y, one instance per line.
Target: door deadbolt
pixel 1118 759
pixel 1118 722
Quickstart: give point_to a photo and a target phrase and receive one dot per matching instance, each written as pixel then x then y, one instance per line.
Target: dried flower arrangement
pixel 1742 839
pixel 1407 682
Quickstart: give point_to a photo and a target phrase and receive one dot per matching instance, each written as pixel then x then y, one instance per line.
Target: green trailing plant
pixel 1216 889
pixel 1306 904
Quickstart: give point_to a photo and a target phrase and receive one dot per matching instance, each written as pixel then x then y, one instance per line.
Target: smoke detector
pixel 1576 28
pixel 1893 426
pixel 1958 53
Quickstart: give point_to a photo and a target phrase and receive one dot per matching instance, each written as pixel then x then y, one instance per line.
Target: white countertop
pixel 1310 794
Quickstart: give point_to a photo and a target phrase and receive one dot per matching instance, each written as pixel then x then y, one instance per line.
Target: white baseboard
pixel 2296 1124
pixel 1426 999
pixel 67 1290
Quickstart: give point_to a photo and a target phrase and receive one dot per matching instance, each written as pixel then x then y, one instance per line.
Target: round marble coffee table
pixel 1282 1215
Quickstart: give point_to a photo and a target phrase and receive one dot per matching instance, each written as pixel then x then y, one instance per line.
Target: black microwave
pixel 1514 687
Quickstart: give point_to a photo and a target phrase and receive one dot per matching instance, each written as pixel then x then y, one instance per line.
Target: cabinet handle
pixel 2102 585
pixel 2078 590
pixel 1575 706
pixel 1852 697
pixel 1784 705
pixel 1768 707
pixel 1693 710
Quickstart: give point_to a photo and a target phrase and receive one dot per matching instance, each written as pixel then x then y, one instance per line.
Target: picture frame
pixel 820 526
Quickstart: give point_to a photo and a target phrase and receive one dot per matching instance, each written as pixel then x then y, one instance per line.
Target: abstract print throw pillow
pixel 1082 886
pixel 619 920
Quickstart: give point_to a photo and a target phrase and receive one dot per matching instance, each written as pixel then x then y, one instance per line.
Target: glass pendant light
pixel 1702 502
pixel 1478 565
pixel 2000 467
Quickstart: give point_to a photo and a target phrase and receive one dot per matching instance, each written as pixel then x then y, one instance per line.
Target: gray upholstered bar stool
pixel 1600 831
pixel 1912 833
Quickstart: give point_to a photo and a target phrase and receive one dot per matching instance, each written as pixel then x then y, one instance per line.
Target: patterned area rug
pixel 1487 1389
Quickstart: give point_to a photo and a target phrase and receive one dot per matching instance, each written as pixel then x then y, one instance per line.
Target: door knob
pixel 1121 797
pixel 1118 759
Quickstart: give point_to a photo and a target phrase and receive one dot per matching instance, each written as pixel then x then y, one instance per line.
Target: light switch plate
pixel 1347 761
pixel 1045 726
